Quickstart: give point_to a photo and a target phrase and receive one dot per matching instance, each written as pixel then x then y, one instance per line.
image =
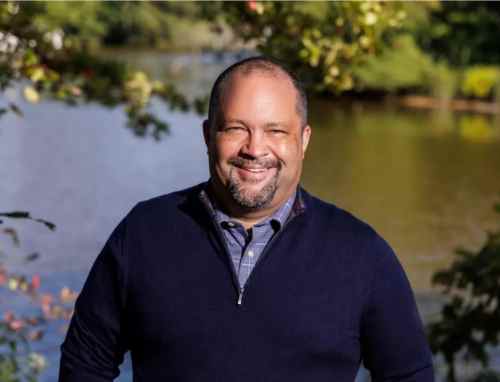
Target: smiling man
pixel 247 277
pixel 256 145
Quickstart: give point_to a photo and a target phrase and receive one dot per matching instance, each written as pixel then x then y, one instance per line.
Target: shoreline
pixel 465 105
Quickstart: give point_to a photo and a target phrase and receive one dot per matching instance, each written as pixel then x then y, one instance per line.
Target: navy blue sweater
pixel 327 294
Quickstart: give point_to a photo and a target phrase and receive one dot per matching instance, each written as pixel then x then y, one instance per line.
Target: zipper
pixel 222 242
pixel 219 237
pixel 240 296
pixel 261 258
pixel 234 274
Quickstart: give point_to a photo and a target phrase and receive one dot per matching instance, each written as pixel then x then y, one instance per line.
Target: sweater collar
pixel 297 208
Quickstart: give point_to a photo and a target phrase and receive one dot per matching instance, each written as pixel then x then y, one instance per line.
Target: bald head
pixel 264 65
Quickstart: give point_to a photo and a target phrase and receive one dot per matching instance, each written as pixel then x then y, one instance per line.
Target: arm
pixel 394 346
pixel 95 343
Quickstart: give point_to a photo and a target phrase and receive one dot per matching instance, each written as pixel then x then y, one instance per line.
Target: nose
pixel 255 145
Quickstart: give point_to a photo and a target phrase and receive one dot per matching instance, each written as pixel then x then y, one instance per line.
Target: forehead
pixel 268 94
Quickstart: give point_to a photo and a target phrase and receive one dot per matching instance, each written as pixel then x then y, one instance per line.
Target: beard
pixel 253 200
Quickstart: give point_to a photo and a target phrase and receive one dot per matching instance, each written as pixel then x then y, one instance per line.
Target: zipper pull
pixel 240 296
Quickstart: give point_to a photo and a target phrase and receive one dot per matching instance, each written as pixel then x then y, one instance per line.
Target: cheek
pixel 225 149
pixel 289 152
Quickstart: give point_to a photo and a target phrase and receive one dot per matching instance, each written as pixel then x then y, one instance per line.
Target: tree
pixel 57 59
pixel 463 33
pixel 321 41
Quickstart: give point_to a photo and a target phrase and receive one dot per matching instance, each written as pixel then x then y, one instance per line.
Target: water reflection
pixel 411 174
pixel 478 128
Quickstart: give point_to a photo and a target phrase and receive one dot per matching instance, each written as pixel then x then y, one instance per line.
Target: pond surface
pixel 427 181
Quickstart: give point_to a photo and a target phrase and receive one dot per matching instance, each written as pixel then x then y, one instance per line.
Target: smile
pixel 255 170
pixel 253 174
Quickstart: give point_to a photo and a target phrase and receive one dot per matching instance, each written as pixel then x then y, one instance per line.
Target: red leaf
pixel 35 282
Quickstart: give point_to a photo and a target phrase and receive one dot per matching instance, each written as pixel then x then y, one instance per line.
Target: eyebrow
pixel 234 121
pixel 267 125
pixel 275 124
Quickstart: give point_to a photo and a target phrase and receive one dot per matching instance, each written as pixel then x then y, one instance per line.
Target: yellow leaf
pixel 31 94
pixel 334 71
pixel 37 74
pixel 13 284
pixel 370 18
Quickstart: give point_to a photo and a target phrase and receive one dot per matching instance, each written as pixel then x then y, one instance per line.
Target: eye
pixel 277 131
pixel 233 129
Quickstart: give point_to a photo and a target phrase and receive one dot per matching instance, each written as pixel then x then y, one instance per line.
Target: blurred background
pixel 101 105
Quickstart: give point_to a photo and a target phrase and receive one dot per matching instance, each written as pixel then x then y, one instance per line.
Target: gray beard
pixel 254 201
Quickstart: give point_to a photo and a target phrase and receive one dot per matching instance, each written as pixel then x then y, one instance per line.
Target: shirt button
pixel 250 253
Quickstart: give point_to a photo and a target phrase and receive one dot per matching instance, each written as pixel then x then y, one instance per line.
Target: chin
pixel 252 199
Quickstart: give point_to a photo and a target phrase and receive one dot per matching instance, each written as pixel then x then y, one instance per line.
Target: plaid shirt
pixel 246 246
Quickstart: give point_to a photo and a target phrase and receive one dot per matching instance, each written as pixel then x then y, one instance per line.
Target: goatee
pixel 253 200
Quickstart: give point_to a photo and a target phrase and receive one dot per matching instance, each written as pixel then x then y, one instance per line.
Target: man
pixel 247 277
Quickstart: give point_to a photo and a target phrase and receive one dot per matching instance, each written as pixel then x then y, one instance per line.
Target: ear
pixel 306 135
pixel 206 132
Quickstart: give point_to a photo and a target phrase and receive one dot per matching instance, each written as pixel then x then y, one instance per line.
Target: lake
pixel 425 180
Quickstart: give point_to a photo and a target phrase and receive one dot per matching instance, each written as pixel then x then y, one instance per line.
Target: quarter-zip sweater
pixel 327 293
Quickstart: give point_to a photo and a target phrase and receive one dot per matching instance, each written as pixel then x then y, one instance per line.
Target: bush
pixel 17 362
pixel 405 67
pixel 470 320
pixel 480 81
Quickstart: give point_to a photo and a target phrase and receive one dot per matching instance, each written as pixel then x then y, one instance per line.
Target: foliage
pixel 321 41
pixel 480 81
pixel 116 23
pixel 48 61
pixel 486 376
pixel 442 81
pixel 389 71
pixel 463 33
pixel 470 320
pixel 17 362
pixel 370 46
pixel 391 67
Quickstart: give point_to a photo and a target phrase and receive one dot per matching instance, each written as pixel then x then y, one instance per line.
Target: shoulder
pixel 353 241
pixel 163 207
pixel 333 218
pixel 345 228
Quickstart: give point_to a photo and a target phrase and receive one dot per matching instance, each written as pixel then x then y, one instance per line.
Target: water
pixel 426 181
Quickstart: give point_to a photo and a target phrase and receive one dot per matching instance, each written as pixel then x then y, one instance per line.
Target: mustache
pixel 255 163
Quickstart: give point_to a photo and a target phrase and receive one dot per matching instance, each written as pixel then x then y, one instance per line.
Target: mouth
pixel 254 169
pixel 254 174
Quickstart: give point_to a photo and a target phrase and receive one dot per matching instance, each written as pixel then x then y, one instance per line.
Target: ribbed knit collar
pixel 292 207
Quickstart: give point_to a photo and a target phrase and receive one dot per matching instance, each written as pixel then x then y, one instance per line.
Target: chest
pixel 299 296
